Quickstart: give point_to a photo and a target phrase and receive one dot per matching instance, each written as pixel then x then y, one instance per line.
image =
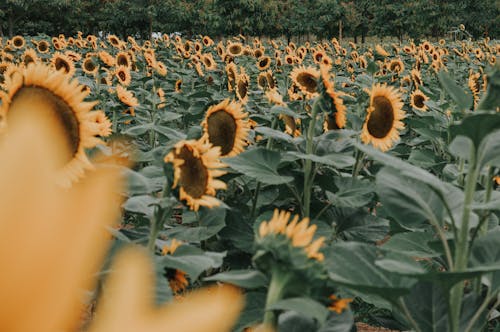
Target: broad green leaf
pixel 462 98
pixel 210 223
pixel 362 227
pixel 337 160
pixel 260 164
pixel 411 243
pixel 248 279
pixel 476 127
pixel 275 134
pixel 144 204
pixel 293 321
pixel 353 265
pixel 253 312
pixel 138 130
pixel 352 193
pixel 338 323
pixel 304 306
pixel 428 306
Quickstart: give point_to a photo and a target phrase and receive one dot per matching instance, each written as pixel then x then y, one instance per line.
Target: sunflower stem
pixel 358 164
pixel 462 244
pixel 279 280
pixel 308 177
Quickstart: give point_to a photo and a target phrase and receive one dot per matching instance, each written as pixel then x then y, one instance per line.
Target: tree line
pixel 290 18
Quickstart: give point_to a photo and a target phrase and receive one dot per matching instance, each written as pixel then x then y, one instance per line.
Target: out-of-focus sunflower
pixel 418 99
pixel 207 41
pixel 226 126
pixel 126 96
pixel 306 78
pixel 53 94
pixel 63 63
pixel 262 81
pixel 474 85
pixel 416 77
pixel 336 110
pixel 396 66
pixel 107 58
pixel 18 42
pixel 242 83
pixel 123 59
pixel 209 62
pixel 234 49
pixel 115 41
pixel 176 278
pixel 160 68
pixel 29 56
pixel 89 66
pixel 232 73
pixel 383 119
pixel 196 167
pixel 43 46
pixel 381 51
pixel 338 305
pixel 263 62
pixel 122 73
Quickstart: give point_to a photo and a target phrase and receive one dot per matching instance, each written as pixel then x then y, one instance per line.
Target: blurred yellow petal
pixel 128 302
pixel 52 241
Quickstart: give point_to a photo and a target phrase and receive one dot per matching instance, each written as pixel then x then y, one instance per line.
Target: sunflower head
pixel 383 118
pixel 333 104
pixel 306 78
pixel 263 62
pixel 418 99
pixel 196 167
pixel 226 126
pixel 18 42
pixel 235 49
pixel 52 94
pixel 90 66
pixel 43 46
pixel 63 63
pixel 242 83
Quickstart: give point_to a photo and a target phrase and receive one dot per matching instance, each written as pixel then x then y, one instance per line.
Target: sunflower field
pixel 246 184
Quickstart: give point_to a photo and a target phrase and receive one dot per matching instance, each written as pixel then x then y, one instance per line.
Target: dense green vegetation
pixel 323 18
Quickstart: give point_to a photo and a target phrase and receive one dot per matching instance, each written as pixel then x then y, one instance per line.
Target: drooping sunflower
pixel 160 68
pixel 63 63
pixel 300 234
pixel 263 62
pixel 196 167
pixel 474 85
pixel 122 73
pixel 396 66
pixel 306 78
pixel 383 119
pixel 209 62
pixel 226 125
pixel 39 88
pixel 107 58
pixel 336 115
pixel 178 86
pixel 126 96
pixel 242 83
pixel 262 81
pixel 416 77
pixel 380 51
pixel 418 99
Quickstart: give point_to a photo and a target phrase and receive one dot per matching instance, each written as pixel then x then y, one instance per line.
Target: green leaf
pixel 192 261
pixel 338 323
pixel 138 130
pixel 248 279
pixel 428 306
pixel 337 160
pixel 303 305
pixel 137 183
pixel 353 265
pixel 462 98
pixel 253 312
pixel 293 321
pixel 272 133
pixel 144 204
pixel 411 243
pixel 260 164
pixel 352 193
pixel 476 127
pixel 211 222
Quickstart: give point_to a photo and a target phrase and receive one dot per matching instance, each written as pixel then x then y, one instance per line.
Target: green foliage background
pixel 323 18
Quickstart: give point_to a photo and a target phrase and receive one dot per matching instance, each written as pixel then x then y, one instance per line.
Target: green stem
pixel 269 145
pixel 408 316
pixel 358 164
pixel 478 313
pixel 308 162
pixel 279 280
pixel 462 245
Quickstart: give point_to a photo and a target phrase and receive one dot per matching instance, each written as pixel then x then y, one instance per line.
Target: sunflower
pixel 196 165
pixel 474 85
pixel 263 62
pixel 29 56
pixel 126 97
pixel 74 56
pixel 336 117
pixel 18 42
pixel 234 49
pixel 306 79
pixel 176 278
pixel 262 81
pixel 123 59
pixel 417 100
pixel 122 73
pixel 38 88
pixel 178 85
pixel 209 61
pixel 289 59
pixel 338 305
pixel 383 119
pixel 396 66
pixel 89 66
pixel 300 233
pixel 114 41
pixel 258 52
pixel 226 125
pixel 63 63
pixel 380 51
pixel 160 68
pixel 207 41
pixel 107 58
pixel 242 82
pixel 43 47
pixel 416 77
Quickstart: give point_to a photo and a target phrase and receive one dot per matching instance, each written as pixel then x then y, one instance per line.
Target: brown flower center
pixel 381 118
pixel 242 88
pixel 221 128
pixel 307 81
pixel 60 63
pixel 194 174
pixel 37 99
pixel 418 100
